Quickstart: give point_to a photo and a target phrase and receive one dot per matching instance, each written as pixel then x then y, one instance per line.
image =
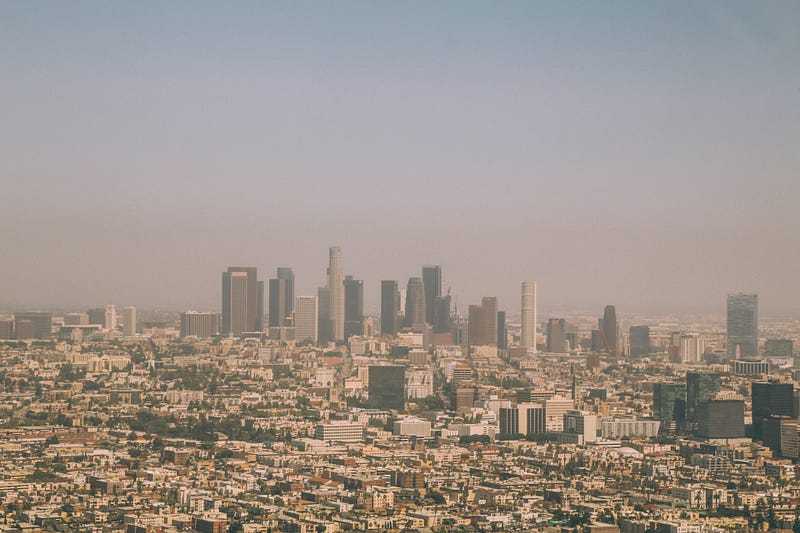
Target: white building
pixel 339 431
pixel 419 383
pixel 111 317
pixel 617 428
pixel 692 348
pixel 129 321
pixel 412 426
pixel 582 424
pixel 336 286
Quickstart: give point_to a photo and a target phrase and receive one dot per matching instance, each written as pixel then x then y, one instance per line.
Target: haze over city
pixel 637 153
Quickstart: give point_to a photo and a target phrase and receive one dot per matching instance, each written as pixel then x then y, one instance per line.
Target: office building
pixel 749 367
pixel 771 399
pixel 692 348
pixel 287 275
pixel 639 341
pixel 584 425
pixel 76 319
pixel 111 317
pixel 305 318
pixel 129 321
pixel 336 286
pixel 528 310
pixel 339 431
pixel 240 301
pixel 97 315
pixel 202 325
pixel 720 419
pixel 278 302
pixel 669 403
pixel 502 331
pixel 415 303
pixel 33 325
pixel 742 325
pixel 700 387
pixel 620 428
pixel 608 331
pixel 779 348
pixel 324 322
pixel 260 309
pixel 353 306
pixel 390 307
pixel 522 419
pixel 387 387
pixel 557 335
pixel 432 280
pixel 441 315
pixel 489 304
pixel 476 325
pixel 6 329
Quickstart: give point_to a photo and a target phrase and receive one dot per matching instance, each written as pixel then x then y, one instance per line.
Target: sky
pixel 644 154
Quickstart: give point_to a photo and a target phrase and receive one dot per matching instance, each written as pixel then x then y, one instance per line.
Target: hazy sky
pixel 645 154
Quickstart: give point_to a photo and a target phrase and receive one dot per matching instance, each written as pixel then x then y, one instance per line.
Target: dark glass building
pixel 742 325
pixel 720 419
pixel 390 307
pixel 387 387
pixel 557 335
pixel 639 340
pixel 353 306
pixel 771 399
pixel 669 402
pixel 432 280
pixel 700 387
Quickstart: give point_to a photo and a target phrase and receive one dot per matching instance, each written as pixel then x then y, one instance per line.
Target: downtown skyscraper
pixel 336 287
pixel 529 315
pixel 742 325
pixel 432 280
pixel 240 301
pixel 390 307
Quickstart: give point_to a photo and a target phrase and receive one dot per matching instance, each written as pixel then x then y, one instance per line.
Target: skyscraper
pixel 432 279
pixel 415 302
pixel 324 322
pixel 742 325
pixel 640 340
pixel 129 321
pixel 278 298
pixel 502 332
pixel 239 300
pixel 476 316
pixel 286 274
pixel 259 306
pixel 609 330
pixel 771 398
pixel 441 314
pixel 111 317
pixel 353 306
pixel 556 335
pixel 700 387
pixel 390 307
pixel 489 304
pixel 336 286
pixel 669 402
pixel 305 318
pixel 529 314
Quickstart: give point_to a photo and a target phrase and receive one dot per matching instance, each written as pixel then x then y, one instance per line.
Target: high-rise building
pixel 502 331
pixel 324 322
pixel 608 330
pixel 33 325
pixel 771 399
pixel 489 304
pixel 240 300
pixel 692 348
pixel 6 329
pixel 639 340
pixel 336 286
pixel 390 307
pixel 387 386
pixel 720 419
pixel 779 348
pixel 441 315
pixel 415 303
pixel 522 419
pixel 287 275
pixel 476 317
pixel 111 317
pixel 129 321
pixel 669 402
pixel 529 315
pixel 202 325
pixel 432 279
pixel 353 306
pixel 556 335
pixel 76 319
pixel 742 325
pixel 278 295
pixel 700 387
pixel 305 318
pixel 97 315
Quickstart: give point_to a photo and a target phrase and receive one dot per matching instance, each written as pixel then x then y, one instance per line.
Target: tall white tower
pixel 336 286
pixel 129 321
pixel 529 314
pixel 111 317
pixel 305 318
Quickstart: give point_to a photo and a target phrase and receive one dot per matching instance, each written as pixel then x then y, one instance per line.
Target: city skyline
pixel 608 152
